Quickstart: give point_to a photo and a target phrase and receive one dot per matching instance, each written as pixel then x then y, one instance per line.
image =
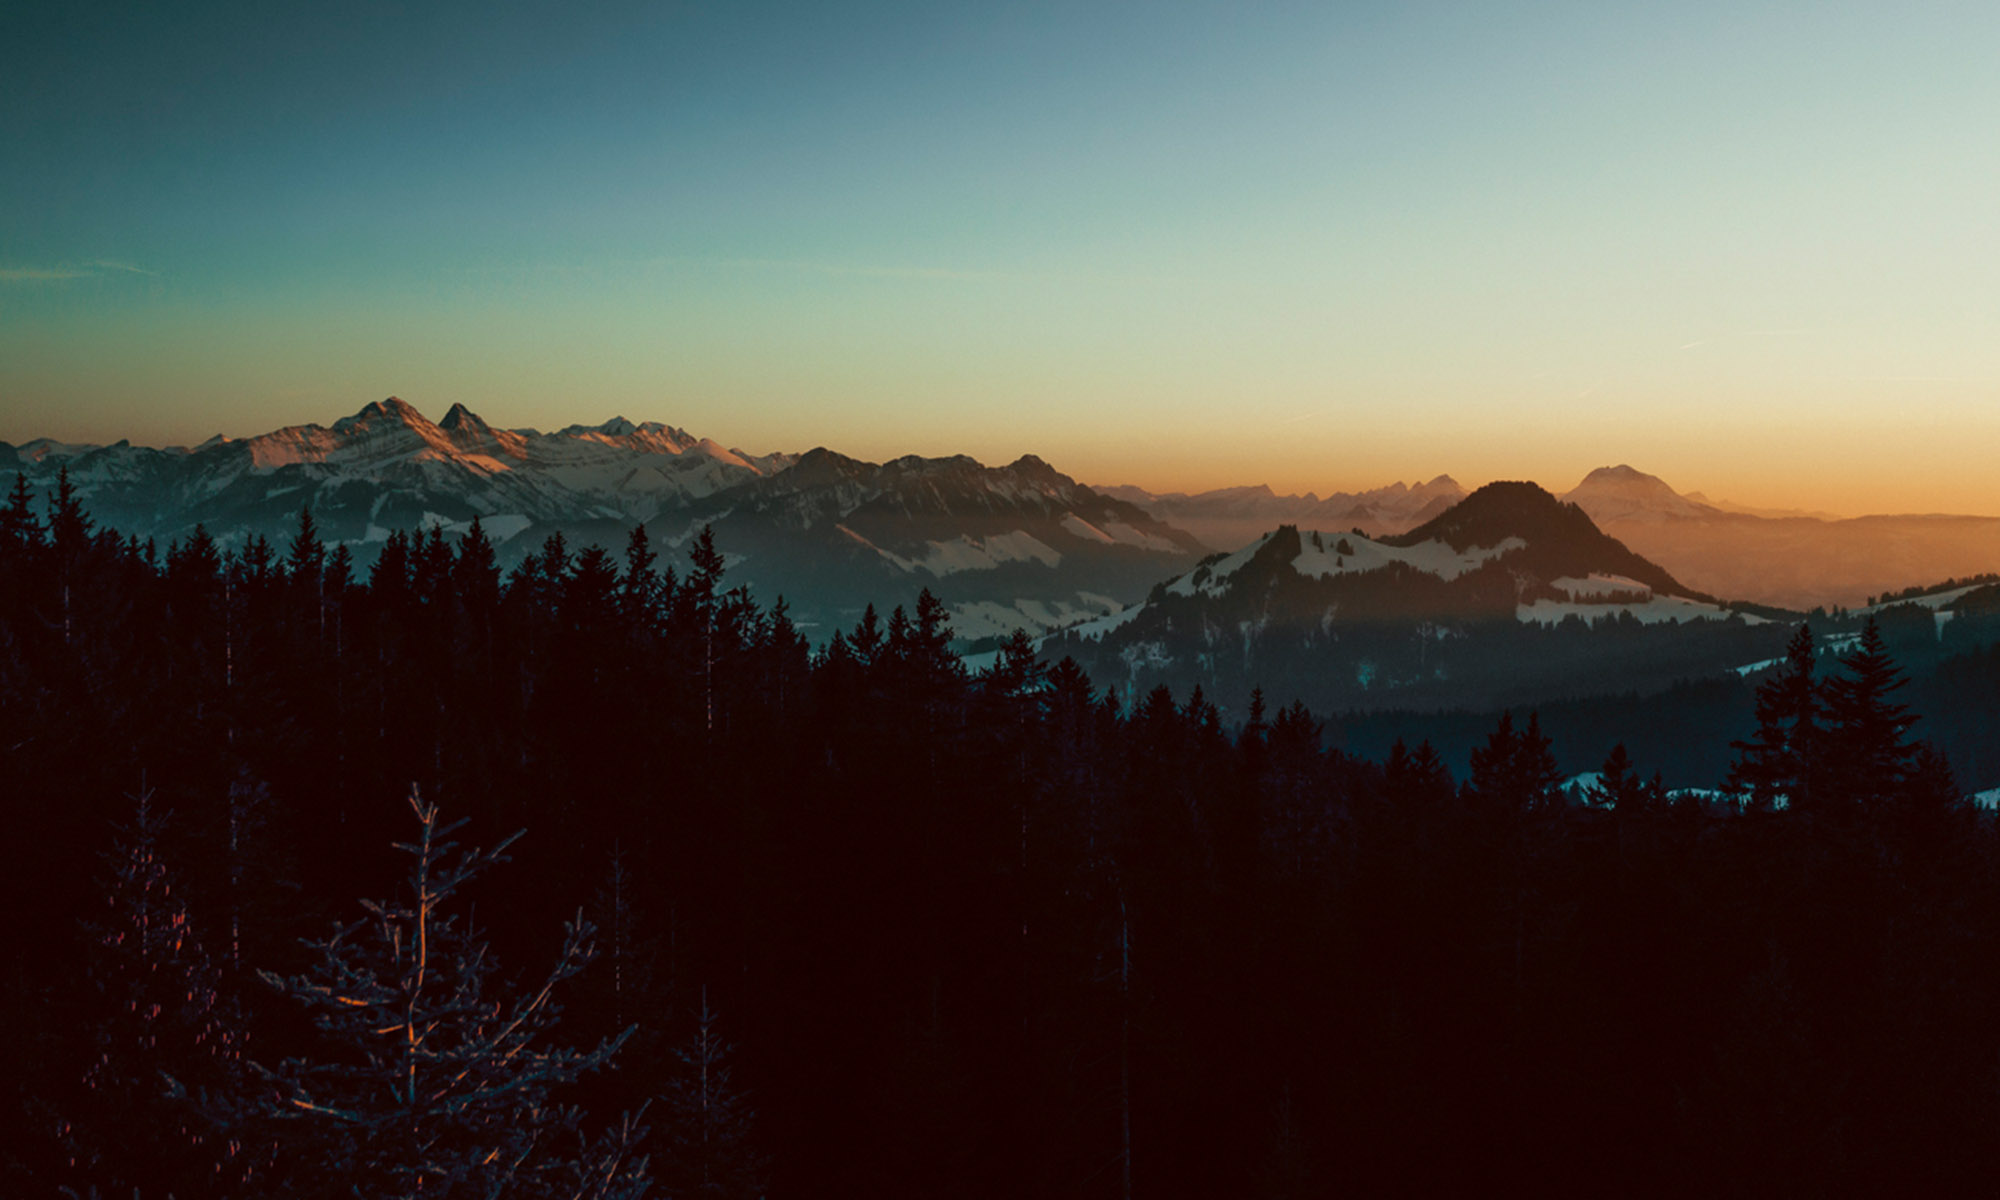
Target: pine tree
pixel 639 592
pixel 389 578
pixel 1930 805
pixel 71 535
pixel 1015 673
pixel 1868 756
pixel 709 1151
pixel 703 585
pixel 161 1031
pixel 305 566
pixel 1417 778
pixel 20 531
pixel 475 575
pixel 307 553
pixel 434 1080
pixel 70 528
pixel 590 594
pixel 1780 763
pixel 866 643
pixel 555 560
pixel 1618 786
pixel 622 978
pixel 1514 771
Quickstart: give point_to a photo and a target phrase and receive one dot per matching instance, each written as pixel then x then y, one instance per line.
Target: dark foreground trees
pixel 974 934
pixel 433 1076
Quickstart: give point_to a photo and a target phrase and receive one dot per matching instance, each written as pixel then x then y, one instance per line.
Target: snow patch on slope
pixel 1323 554
pixel 1600 586
pixel 1654 610
pixel 1116 533
pixel 964 553
pixel 1934 601
pixel 994 618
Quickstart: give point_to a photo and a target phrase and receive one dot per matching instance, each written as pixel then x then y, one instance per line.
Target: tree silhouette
pixel 1868 756
pixel 432 1079
pixel 709 1149
pixel 1779 763
pixel 162 1029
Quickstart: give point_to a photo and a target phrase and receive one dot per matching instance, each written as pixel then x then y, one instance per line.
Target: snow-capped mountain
pixel 1496 592
pixel 1016 546
pixel 1228 518
pixel 1020 545
pixel 388 466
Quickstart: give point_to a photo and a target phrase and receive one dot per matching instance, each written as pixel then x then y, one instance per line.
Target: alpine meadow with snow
pixel 1274 602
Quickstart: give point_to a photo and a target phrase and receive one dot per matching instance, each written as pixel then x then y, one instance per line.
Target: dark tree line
pixel 856 922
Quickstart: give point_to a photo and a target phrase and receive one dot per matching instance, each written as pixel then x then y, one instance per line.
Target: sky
pixel 1752 248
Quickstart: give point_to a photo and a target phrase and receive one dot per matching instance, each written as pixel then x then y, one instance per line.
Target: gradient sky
pixel 1753 248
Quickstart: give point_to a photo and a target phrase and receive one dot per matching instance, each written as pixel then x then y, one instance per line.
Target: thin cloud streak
pixel 862 269
pixel 88 270
pixel 110 264
pixel 41 274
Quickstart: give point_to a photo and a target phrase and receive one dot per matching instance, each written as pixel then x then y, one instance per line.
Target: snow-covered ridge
pixel 1935 601
pixel 1601 595
pixel 983 619
pixel 617 469
pixel 1601 587
pixel 966 553
pixel 1323 554
pixel 1653 610
pixel 1116 533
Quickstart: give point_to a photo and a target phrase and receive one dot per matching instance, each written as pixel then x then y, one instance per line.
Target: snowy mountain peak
pixel 472 437
pixel 394 408
pixel 1033 467
pixel 1563 539
pixel 720 453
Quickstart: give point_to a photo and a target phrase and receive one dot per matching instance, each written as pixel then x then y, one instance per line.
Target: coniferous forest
pixel 852 921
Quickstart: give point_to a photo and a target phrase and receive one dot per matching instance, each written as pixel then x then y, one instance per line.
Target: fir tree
pixel 475 576
pixel 1618 787
pixel 1417 777
pixel 307 553
pixel 1514 771
pixel 1780 762
pixel 1868 756
pixel 639 591
pixel 162 1031
pixel 865 643
pixel 710 1150
pixel 432 1078
pixel 20 530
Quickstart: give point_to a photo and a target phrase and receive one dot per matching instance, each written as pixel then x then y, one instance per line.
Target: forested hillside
pixel 856 922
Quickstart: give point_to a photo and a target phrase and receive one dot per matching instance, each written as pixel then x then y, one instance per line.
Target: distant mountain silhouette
pixel 1794 560
pixel 1463 606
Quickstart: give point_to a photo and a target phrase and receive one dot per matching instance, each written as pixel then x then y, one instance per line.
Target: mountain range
pixel 1511 594
pixel 1230 517
pixel 1020 545
pixel 1016 545
pixel 1792 560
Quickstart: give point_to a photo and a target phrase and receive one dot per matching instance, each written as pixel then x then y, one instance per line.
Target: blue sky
pixel 1748 247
